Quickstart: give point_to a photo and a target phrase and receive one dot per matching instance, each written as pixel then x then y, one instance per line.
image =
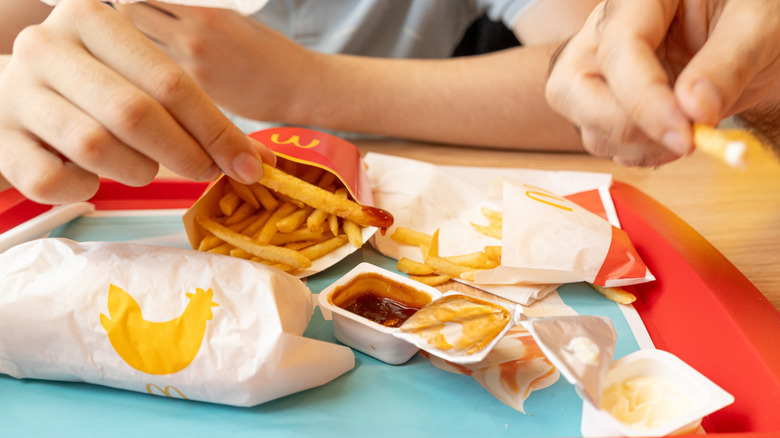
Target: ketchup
pixel 379 299
pixel 389 313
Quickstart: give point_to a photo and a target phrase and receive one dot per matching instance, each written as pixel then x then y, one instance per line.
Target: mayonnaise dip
pixel 645 402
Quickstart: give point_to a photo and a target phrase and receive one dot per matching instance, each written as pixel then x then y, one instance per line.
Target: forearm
pixel 764 118
pixel 494 100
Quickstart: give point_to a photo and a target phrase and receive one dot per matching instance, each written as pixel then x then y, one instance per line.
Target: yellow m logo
pixel 540 195
pixel 294 140
pixel 166 392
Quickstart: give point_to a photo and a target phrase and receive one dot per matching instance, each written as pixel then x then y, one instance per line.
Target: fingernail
pixel 248 168
pixel 267 155
pixel 674 142
pixel 708 99
pixel 211 174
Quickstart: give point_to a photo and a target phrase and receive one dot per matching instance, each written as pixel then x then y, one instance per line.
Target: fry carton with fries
pixel 304 215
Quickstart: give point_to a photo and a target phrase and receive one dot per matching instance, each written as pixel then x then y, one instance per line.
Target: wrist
pixel 309 90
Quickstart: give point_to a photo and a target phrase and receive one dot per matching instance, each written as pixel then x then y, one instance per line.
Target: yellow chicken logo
pixel 156 347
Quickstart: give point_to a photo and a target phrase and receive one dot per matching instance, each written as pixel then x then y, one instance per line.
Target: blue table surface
pixel 372 400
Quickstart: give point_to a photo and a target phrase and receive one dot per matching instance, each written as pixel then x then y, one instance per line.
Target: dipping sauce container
pixel 368 305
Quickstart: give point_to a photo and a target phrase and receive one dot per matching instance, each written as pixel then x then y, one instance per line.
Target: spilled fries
pixel 616 294
pixel 435 269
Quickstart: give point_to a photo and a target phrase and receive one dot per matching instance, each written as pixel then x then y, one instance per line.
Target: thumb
pixel 741 45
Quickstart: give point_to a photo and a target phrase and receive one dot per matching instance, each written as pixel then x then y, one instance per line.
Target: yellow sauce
pixel 645 402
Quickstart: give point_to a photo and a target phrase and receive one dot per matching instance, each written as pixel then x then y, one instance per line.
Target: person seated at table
pixel 95 90
pixel 640 72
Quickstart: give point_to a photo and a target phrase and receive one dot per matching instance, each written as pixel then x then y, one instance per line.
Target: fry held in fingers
pixel 727 145
pixel 435 269
pixel 322 199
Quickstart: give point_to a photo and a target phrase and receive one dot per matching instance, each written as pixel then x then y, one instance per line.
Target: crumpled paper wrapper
pixel 426 197
pixel 244 7
pixel 164 321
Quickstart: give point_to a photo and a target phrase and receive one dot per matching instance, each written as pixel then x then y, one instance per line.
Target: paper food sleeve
pixel 163 321
pixel 302 146
pixel 552 239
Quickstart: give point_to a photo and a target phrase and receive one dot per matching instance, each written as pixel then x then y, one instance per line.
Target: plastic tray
pixel 701 308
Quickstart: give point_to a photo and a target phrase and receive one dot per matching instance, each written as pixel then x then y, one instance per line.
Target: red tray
pixel 701 308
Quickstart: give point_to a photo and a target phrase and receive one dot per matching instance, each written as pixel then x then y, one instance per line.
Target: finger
pixel 192 132
pixel 731 58
pixel 84 141
pixel 132 116
pixel 640 153
pixel 577 89
pixel 154 20
pixel 630 32
pixel 41 175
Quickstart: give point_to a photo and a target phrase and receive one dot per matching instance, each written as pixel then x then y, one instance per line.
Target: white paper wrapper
pixel 426 197
pixel 245 7
pixel 164 321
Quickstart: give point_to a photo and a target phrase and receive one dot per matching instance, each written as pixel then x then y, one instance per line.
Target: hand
pixel 246 67
pixel 613 78
pixel 85 94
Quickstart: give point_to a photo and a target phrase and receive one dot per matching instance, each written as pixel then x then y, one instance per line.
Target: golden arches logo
pixel 294 140
pixel 164 392
pixel 540 195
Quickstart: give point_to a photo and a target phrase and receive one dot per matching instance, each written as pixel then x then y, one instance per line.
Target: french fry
pixel 492 215
pixel 319 198
pixel 431 280
pixel 241 213
pixel 326 180
pixel 492 230
pixel 316 251
pixel 229 203
pixel 476 260
pixel 442 266
pixel 244 192
pixel 294 220
pixel 311 174
pixel 493 252
pixel 727 145
pixel 316 219
pixel 268 230
pixel 301 244
pixel 268 252
pixel 290 200
pixel 333 224
pixel 298 236
pixel 209 242
pixel 264 196
pixel 406 236
pixel 616 294
pixel 354 233
pixel 411 267
pixel 288 166
pixel 242 224
pixel 223 249
pixel 260 220
pixel 240 253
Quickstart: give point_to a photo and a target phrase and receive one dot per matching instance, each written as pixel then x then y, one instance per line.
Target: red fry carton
pixel 302 148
